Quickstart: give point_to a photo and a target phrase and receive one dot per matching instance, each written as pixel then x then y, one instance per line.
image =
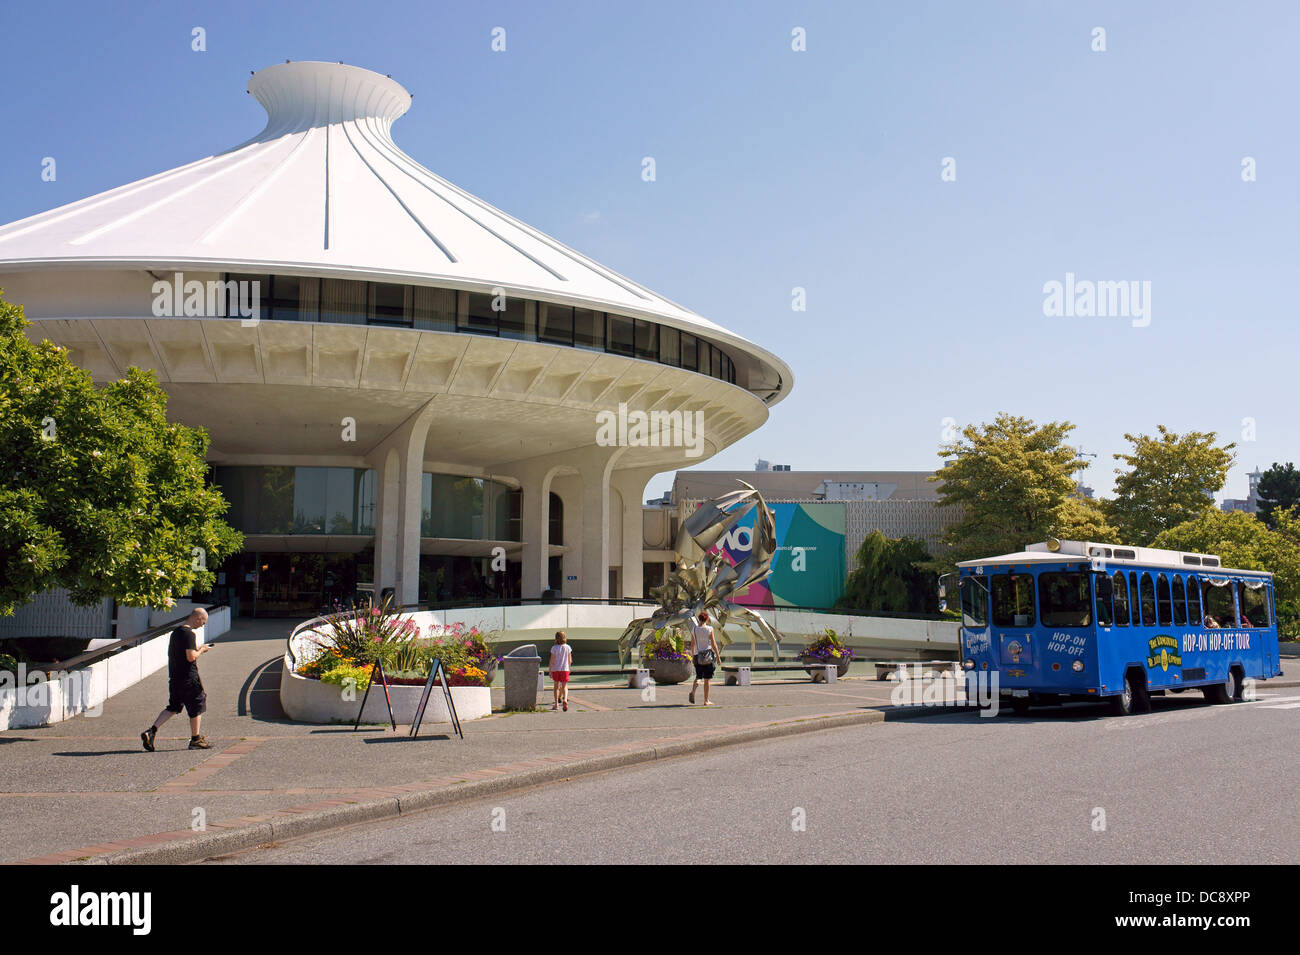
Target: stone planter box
pixel 668 672
pixel 841 667
pixel 311 701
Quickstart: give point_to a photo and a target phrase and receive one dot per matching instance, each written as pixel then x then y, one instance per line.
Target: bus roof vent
pixel 1096 551
pixel 1191 559
pixel 1123 553
pixel 1209 561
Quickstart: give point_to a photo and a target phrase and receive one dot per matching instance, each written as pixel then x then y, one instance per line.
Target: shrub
pixel 828 648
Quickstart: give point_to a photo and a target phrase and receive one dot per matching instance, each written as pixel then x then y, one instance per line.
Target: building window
pixel 647 341
pixel 479 318
pixel 589 329
pixel 555 323
pixel 289 500
pixel 690 351
pixel 343 301
pixel 390 304
pixel 670 340
pixel 621 336
pixel 516 319
pixel 555 533
pixel 433 309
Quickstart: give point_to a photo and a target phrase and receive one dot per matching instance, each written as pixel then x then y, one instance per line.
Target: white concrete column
pixel 631 488
pixel 399 459
pixel 537 478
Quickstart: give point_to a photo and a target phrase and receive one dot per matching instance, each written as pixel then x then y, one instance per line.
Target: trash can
pixel 523 669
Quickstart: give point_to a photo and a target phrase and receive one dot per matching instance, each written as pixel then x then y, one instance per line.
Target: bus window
pixel 1217 601
pixel 1064 600
pixel 1121 600
pixel 1162 600
pixel 1105 617
pixel 1180 603
pixel 1013 600
pixel 1148 600
pixel 1254 605
pixel 1193 602
pixel 1133 598
pixel 974 603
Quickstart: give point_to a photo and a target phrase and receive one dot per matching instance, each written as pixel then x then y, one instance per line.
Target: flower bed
pixel 828 650
pixel 664 656
pixel 331 674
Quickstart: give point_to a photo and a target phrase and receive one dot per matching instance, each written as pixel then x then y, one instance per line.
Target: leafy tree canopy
pixel 99 492
pixel 1244 542
pixel 888 577
pixel 1168 482
pixel 1014 481
pixel 1279 488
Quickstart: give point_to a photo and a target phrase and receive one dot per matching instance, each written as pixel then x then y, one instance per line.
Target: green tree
pixel 1279 488
pixel 1243 541
pixel 1014 481
pixel 99 493
pixel 889 577
pixel 1169 481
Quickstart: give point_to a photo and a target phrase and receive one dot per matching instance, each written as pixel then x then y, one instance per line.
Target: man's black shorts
pixel 188 697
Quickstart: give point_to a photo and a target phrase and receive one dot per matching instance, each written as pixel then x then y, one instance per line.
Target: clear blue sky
pixel 817 169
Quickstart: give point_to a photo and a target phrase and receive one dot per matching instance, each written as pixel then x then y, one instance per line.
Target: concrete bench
pixel 743 675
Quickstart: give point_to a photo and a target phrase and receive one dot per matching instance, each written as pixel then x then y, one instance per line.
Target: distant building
pixel 1251 503
pixel 825 515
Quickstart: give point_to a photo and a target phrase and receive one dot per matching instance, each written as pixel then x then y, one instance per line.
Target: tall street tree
pixel 1243 541
pixel 1279 488
pixel 1014 482
pixel 1169 480
pixel 99 492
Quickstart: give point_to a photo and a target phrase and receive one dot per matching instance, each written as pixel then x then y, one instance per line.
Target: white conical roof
pixel 323 189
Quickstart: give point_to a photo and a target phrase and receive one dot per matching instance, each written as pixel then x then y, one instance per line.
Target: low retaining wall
pixel 311 701
pixel 85 690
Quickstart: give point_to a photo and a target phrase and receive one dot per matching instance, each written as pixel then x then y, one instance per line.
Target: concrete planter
pixel 668 672
pixel 311 701
pixel 841 667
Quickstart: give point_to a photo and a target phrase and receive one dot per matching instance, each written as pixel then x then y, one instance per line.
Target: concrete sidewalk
pixel 85 790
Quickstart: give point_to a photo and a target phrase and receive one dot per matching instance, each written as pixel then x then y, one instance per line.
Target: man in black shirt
pixel 184 688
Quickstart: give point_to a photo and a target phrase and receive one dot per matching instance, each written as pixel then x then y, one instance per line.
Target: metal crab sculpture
pixel 706 581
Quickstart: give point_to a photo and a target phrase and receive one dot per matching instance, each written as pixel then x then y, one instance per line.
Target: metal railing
pixel 82 660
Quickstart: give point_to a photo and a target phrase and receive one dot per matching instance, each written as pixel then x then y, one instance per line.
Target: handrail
pixel 94 656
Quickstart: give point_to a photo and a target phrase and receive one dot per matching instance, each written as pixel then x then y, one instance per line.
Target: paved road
pixel 1187 783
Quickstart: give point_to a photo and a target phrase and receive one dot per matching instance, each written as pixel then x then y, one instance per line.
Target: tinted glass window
pixel 513 319
pixel 1180 603
pixel 588 328
pixel 669 345
pixel 974 603
pixel 621 335
pixel 480 317
pixel 1254 606
pixel 1013 600
pixel 647 341
pixel 1162 600
pixel 1217 603
pixel 1148 594
pixel 1121 600
pixel 1193 602
pixel 1105 616
pixel 1064 600
pixel 555 323
pixel 690 351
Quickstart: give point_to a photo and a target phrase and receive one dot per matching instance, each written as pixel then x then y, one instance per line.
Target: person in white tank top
pixel 702 641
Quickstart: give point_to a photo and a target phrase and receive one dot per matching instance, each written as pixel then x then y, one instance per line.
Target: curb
pixel 200 847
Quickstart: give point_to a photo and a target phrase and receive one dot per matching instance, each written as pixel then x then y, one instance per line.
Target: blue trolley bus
pixel 1073 620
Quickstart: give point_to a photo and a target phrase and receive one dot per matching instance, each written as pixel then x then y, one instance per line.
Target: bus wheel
pixel 1020 705
pixel 1229 691
pixel 1132 699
